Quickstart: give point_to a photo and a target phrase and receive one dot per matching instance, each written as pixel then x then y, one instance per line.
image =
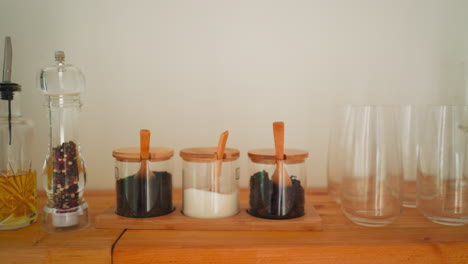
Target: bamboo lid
pixel 133 154
pixel 267 156
pixel 208 154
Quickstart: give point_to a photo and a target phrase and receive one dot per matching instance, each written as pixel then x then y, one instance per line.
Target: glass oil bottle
pixel 18 192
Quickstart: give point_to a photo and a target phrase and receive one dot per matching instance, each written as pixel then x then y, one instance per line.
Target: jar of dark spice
pixel 266 195
pixel 148 195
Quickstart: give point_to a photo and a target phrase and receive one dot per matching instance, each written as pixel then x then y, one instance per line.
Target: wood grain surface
pixel 91 245
pixel 208 154
pixel 411 239
pixel 243 221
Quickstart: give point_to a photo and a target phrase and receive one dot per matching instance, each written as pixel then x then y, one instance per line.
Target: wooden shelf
pixel 91 245
pixel 242 221
pixel 411 239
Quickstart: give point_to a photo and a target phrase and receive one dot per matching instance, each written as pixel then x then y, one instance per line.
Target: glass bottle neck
pixel 15 105
pixel 64 114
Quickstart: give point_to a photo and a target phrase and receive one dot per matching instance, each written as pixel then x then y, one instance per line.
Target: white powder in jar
pixel 205 204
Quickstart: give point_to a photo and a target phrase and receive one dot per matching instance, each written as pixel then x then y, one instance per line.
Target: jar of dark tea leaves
pixel 143 196
pixel 269 199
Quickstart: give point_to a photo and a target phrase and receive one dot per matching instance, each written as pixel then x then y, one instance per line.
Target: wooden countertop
pixel 411 239
pixel 91 245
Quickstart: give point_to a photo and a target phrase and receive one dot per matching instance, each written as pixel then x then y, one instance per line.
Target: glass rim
pixel 401 105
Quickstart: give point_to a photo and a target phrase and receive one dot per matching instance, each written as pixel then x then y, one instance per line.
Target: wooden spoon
pixel 219 161
pixel 144 175
pixel 280 177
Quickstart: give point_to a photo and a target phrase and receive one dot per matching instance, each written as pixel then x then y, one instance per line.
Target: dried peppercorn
pixel 65 176
pixel 144 197
pixel 264 197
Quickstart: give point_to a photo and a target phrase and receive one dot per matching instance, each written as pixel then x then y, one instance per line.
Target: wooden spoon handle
pixel 144 144
pixel 222 145
pixel 278 134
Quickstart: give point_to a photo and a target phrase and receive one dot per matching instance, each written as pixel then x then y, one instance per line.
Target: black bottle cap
pixel 7 89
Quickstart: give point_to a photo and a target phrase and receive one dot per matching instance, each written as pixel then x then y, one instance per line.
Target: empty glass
pixel 442 180
pixel 409 128
pixel 336 158
pixel 371 187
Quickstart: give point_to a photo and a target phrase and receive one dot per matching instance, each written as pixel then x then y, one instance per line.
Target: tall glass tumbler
pixel 442 180
pixel 410 125
pixel 336 157
pixel 371 187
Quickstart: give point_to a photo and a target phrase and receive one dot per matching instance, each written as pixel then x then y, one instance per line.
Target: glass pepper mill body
pixel 18 192
pixel 64 171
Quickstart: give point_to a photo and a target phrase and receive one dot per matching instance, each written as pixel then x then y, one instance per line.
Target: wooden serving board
pixel 311 221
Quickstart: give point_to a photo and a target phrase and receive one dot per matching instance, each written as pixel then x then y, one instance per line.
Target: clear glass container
pixel 265 196
pixel 200 198
pixel 143 196
pixel 18 192
pixel 371 190
pixel 64 171
pixel 336 157
pixel 442 179
pixel 410 118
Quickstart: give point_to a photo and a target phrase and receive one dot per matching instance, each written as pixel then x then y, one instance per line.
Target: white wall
pixel 188 70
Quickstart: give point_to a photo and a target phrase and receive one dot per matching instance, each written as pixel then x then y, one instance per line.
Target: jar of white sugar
pixel 210 185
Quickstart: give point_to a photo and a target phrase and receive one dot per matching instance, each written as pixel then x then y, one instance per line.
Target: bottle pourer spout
pixel 6 86
pixel 7 60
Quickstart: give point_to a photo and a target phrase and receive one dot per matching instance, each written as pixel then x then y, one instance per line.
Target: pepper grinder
pixel 64 171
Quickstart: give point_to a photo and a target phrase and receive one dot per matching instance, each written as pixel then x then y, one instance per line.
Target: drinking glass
pixel 336 158
pixel 442 179
pixel 371 187
pixel 409 118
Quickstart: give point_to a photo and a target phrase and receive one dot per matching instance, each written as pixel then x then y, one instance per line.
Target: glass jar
pixel 64 171
pixel 18 192
pixel 143 196
pixel 200 198
pixel 265 196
